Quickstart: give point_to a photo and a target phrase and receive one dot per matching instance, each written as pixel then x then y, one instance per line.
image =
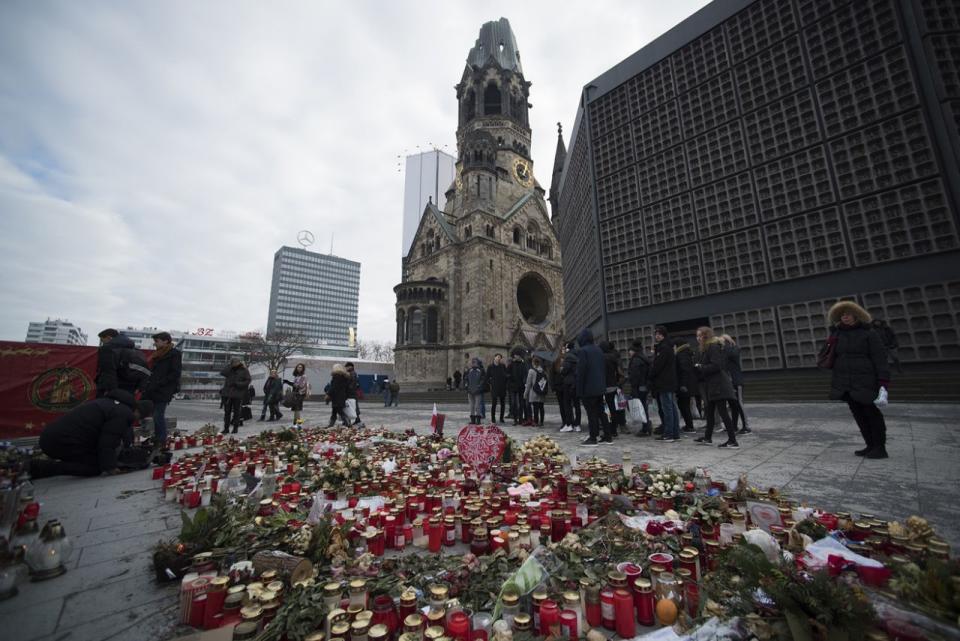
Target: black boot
pixel 877 452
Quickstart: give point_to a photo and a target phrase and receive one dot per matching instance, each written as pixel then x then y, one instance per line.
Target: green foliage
pixel 802 597
pixel 934 587
pixel 302 613
pixel 200 531
pixel 812 528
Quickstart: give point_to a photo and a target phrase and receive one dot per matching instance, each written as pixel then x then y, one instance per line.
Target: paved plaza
pixel 109 591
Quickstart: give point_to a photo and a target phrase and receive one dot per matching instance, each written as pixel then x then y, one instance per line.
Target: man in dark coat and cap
pixel 85 441
pixel 663 384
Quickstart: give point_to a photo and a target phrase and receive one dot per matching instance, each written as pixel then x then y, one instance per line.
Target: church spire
pixel 558 159
pixel 496 40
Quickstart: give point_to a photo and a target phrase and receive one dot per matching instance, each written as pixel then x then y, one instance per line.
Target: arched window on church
pixel 516 235
pixel 489 231
pixel 467 232
pixel 415 334
pixel 432 325
pixel 470 105
pixel 546 249
pixel 436 243
pixel 401 326
pixel 532 232
pixel 491 100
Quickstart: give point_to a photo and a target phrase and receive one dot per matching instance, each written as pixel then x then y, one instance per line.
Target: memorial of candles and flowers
pixel 373 535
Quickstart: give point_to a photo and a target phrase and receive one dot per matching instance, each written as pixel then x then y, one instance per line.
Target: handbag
pixel 350 409
pixel 637 415
pixel 288 398
pixel 246 413
pixel 828 353
pixel 621 400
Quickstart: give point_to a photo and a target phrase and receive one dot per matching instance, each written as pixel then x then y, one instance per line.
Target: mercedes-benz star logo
pixel 305 238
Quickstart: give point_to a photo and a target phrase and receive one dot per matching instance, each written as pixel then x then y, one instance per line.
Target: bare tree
pixel 272 350
pixel 381 351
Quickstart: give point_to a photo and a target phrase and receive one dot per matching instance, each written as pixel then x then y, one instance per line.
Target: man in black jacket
pixel 638 370
pixel 516 380
pixel 85 440
pixel 497 379
pixel 568 371
pixel 663 384
pixel 353 390
pixel 591 384
pixel 164 382
pixel 272 395
pixel 120 365
pixel 234 391
pixel 687 381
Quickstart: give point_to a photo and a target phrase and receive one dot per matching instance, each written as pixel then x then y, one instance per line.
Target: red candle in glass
pixel 466 533
pixel 608 616
pixel 449 534
pixel 213 608
pixel 623 611
pixel 557 528
pixel 376 543
pixel 197 609
pixel 593 613
pixel 435 536
pixel 385 613
pixel 408 534
pixel 644 601
pixel 568 625
pixel 549 616
pixel 458 626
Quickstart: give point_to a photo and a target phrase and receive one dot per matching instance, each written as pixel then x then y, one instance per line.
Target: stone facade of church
pixel 483 276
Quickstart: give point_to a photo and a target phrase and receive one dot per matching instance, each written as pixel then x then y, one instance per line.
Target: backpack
pixel 132 370
pixel 540 383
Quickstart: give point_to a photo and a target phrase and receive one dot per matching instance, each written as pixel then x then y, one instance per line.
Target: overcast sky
pixel 154 155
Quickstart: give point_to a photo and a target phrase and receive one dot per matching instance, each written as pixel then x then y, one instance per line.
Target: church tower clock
pixel 483 276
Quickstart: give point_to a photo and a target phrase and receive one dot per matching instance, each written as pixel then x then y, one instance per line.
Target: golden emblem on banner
pixel 60 389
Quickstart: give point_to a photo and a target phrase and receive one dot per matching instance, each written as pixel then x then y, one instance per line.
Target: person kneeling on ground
pixel 85 441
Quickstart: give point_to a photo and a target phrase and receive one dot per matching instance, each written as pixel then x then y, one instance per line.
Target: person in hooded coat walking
pixel 860 374
pixel 731 360
pixel 716 387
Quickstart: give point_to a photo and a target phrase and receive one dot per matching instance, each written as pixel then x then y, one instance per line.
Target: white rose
pixel 673 494
pixel 677 487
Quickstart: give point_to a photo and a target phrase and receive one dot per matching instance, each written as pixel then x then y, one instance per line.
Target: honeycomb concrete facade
pixel 483 276
pixel 763 159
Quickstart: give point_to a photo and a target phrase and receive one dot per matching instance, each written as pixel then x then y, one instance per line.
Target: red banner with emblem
pixel 39 383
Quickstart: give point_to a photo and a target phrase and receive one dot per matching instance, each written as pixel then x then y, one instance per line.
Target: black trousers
pixel 699 400
pixel 275 412
pixel 563 402
pixel 67 461
pixel 339 412
pixel 537 413
pixel 574 402
pixel 870 420
pixel 517 405
pixel 737 405
pixel 493 405
pixel 232 412
pixel 596 418
pixel 618 417
pixel 711 410
pixel 683 402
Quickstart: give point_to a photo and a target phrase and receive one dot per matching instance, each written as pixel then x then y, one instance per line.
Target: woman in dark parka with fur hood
pixel 859 372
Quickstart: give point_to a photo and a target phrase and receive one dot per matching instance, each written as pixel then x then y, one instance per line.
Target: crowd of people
pixel 588 377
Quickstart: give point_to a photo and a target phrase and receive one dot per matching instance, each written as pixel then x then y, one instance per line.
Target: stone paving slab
pixel 109 591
